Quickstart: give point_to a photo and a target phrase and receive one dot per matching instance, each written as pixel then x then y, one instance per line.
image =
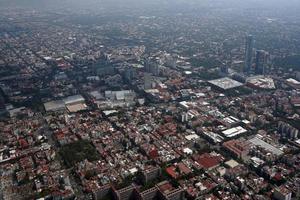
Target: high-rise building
pixel 287 131
pixel 282 193
pixel 152 67
pixel 102 191
pixel 224 69
pixel 298 76
pixel 147 81
pixel 261 61
pixel 126 193
pixel 130 73
pixel 248 53
pixel 151 173
pixel 149 194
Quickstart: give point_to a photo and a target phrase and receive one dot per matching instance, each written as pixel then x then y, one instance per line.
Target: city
pixel 149 101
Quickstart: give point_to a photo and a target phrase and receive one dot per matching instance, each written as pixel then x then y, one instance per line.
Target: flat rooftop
pixel 54 105
pixel 225 83
pixel 73 99
pixel 76 107
pixel 261 82
pixel 234 131
pixel 259 142
pixel 232 163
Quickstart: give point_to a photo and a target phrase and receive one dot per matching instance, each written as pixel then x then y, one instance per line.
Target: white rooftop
pixel 191 137
pixel 259 142
pixel 225 83
pixel 73 99
pixel 293 81
pixel 232 163
pixel 234 131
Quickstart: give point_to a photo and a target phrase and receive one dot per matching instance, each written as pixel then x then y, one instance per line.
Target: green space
pixel 208 75
pixel 206 63
pixel 78 151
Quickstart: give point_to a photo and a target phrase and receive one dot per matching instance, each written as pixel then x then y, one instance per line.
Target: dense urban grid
pixel 149 104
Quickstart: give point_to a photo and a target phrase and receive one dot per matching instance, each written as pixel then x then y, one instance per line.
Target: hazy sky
pixel 153 4
pixel 271 3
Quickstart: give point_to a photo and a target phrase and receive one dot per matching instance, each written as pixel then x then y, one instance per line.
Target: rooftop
pixel 259 142
pixel 73 99
pixel 225 83
pixel 208 160
pixel 234 131
pixel 54 105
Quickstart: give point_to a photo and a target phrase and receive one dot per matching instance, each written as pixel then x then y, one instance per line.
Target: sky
pixel 284 5
pixel 270 3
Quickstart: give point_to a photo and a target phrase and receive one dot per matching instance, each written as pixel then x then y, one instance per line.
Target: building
pixel 261 61
pixel 54 106
pixel 295 101
pixel 76 99
pixel 238 148
pixel 152 67
pixel 287 131
pixel 231 164
pixel 121 95
pixel 294 84
pixel 130 74
pixel 208 160
pixel 282 193
pixel 212 137
pixel 75 103
pixel 147 81
pixel 151 173
pixel 102 191
pixel 96 95
pixel 72 103
pixel 261 82
pixel 150 194
pixel 239 77
pixel 168 192
pixel 126 193
pixel 224 69
pixel 248 53
pixel 232 132
pixel 176 194
pixel 225 83
pixel 298 76
pixel 257 141
pixel 230 121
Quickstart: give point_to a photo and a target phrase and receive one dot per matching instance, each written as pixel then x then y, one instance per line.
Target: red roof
pixel 166 187
pixel 207 160
pixel 23 143
pixel 184 169
pixel 153 153
pixel 172 172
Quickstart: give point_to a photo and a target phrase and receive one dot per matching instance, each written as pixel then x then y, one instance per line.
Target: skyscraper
pixel 261 61
pixel 152 67
pixel 147 81
pixel 248 53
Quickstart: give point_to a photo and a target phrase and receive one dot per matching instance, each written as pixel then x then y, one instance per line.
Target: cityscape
pixel 149 100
